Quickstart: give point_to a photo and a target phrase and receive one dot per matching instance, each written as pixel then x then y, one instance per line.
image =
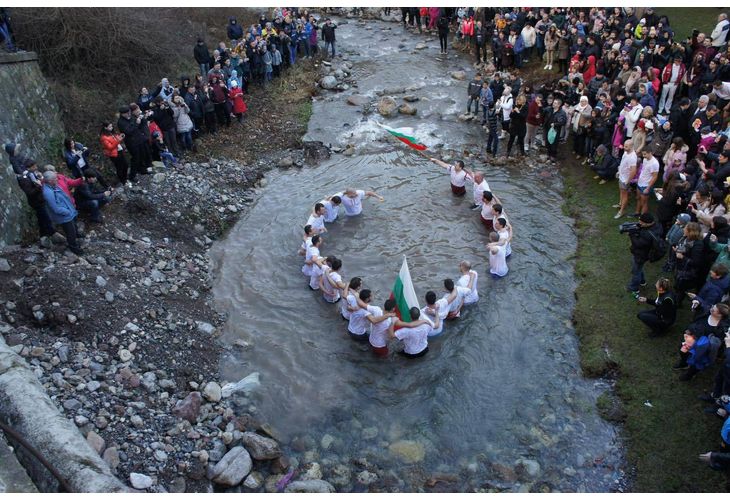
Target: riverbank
pixel 124 337
pixel 664 426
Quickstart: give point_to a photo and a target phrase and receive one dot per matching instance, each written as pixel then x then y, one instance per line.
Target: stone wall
pixel 28 115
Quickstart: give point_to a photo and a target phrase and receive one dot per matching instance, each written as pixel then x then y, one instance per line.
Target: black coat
pixel 642 242
pixel 33 191
pixel 135 134
pixel 164 117
pixel 328 32
pixel 201 53
pixel 85 193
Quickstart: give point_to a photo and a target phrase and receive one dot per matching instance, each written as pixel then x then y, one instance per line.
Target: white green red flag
pixel 403 293
pixel 405 135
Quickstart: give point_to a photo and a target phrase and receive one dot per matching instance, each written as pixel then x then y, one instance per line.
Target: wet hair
pixel 497 208
pixel 389 305
pixel 318 206
pixel 502 221
pixel 493 237
pixel 449 284
pixel 460 163
pixel 719 269
pixel 308 229
pixel 365 295
pixel 355 283
pixel 330 259
pixel 664 284
pixel 416 313
pixel 336 264
pixel 466 264
pixel 315 239
pixel 336 200
pixel 430 298
pixel 487 195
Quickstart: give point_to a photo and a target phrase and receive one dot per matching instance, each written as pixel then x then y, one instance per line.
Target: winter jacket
pixel 164 118
pixel 235 30
pixel 85 193
pixel 33 191
pixel 66 184
pixel 60 207
pixel 201 53
pixel 551 41
pixel 110 144
pixel 236 97
pixel 699 354
pixel 195 105
pixel 135 134
pixel 328 32
pixel 712 291
pixel 18 162
pixel 665 306
pixel 532 111
pixel 183 123
pixel 486 98
pixel 643 241
pixel 73 159
pixel 667 73
pixel 474 88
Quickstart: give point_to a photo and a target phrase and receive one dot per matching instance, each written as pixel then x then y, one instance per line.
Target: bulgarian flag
pixel 403 293
pixel 405 135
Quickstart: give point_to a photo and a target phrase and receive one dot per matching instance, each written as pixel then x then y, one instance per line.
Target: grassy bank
pixel 664 439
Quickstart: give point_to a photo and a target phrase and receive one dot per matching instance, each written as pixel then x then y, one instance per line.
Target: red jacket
pixel 66 184
pixel 236 97
pixel 667 73
pixel 467 27
pixel 532 111
pixel 110 144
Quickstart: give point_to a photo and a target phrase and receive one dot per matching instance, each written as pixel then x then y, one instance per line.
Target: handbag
pixel 552 135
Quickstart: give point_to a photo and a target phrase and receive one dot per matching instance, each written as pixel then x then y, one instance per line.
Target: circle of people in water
pixel 369 323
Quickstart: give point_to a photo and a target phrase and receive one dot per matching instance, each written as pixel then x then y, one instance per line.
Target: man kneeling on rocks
pixel 87 198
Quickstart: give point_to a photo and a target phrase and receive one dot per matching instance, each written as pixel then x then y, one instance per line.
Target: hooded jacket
pixel 235 31
pixel 60 207
pixel 18 162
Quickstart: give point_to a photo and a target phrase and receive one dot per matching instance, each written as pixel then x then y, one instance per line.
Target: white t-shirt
pixel 351 301
pixel 316 273
pixel 333 294
pixel 479 191
pixel 359 324
pixel 443 306
pixel 507 104
pixel 503 236
pixel 461 293
pixel 331 211
pixel 473 294
pixel 312 251
pixel 317 223
pixel 306 244
pixel 498 261
pixel 648 168
pixel 487 210
pixel 415 339
pixel 628 160
pixel 458 179
pixel 353 206
pixel 379 331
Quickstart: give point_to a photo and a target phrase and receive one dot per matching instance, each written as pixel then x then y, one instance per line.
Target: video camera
pixel 629 227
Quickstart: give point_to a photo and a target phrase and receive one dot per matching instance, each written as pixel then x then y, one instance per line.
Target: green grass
pixel 684 19
pixel 664 440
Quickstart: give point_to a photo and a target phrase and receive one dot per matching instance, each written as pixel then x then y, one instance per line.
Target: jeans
pixel 169 138
pixel 204 68
pixel 443 40
pixel 186 139
pixel 637 274
pixel 493 141
pixel 5 32
pixel 93 206
pixel 329 44
pixel 475 100
pixel 293 55
pixel 650 319
pixel 168 159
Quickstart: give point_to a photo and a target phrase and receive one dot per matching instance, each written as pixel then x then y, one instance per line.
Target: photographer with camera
pixel 690 259
pixel 645 237
pixel 662 317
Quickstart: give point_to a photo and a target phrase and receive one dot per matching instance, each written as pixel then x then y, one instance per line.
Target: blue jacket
pixel 699 354
pixel 519 45
pixel 725 431
pixel 72 159
pixel 712 291
pixel 60 207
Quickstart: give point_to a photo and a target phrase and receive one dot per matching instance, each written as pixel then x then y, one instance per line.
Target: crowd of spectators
pixel 165 121
pixel 624 94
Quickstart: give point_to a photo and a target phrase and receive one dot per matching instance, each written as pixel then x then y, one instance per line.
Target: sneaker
pixel 598 177
pixel 616 206
pixel 546 67
pixel 680 365
pixel 618 215
pixel 550 66
pixel 643 283
pixel 602 181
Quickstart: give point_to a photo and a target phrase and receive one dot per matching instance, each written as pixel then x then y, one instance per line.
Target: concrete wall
pixel 28 115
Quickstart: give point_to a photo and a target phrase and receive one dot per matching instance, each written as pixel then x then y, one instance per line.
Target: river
pixel 499 402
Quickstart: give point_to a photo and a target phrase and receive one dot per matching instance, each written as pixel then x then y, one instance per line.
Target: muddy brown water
pixel 502 386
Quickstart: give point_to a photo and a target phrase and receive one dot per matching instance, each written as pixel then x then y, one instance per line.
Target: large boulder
pixel 233 467
pixel 261 447
pixel 387 106
pixel 406 109
pixel 328 82
pixel 357 100
pixel 458 75
pixel 188 408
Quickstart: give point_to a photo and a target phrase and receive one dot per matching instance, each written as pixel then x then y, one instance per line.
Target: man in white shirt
pixel 306 240
pixel 332 207
pixel 671 78
pixel 647 178
pixel 468 280
pixel 436 310
pixel 626 172
pixel 497 259
pixel 504 230
pixel 455 296
pixel 719 35
pixel 352 200
pixel 479 185
pixel 361 319
pixel 312 257
pixel 330 282
pixel 415 338
pixel 316 219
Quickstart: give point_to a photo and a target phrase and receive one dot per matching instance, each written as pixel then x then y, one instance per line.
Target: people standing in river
pixel 317 218
pixel 455 296
pixel 365 315
pixel 497 256
pixel 468 279
pixel 331 207
pixel 415 338
pixel 479 186
pixel 331 282
pixel 457 174
pixel 312 256
pixel 352 200
pixel 351 292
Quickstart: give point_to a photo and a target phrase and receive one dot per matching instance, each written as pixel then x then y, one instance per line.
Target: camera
pixel 629 227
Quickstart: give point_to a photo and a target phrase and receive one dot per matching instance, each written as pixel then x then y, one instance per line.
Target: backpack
pixel 658 248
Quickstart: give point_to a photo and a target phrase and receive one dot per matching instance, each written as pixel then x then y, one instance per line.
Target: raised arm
pixel 440 163
pixel 373 194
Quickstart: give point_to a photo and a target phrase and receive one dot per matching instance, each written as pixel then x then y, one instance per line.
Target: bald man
pixel 352 200
pixel 479 185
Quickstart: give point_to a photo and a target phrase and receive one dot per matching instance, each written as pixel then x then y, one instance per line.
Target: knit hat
pixel 683 219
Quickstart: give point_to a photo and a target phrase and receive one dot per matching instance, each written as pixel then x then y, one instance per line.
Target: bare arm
pixel 410 324
pixel 379 319
pixel 440 163
pixel 374 195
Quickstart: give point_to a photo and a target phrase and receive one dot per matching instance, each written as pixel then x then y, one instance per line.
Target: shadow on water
pixel 501 384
